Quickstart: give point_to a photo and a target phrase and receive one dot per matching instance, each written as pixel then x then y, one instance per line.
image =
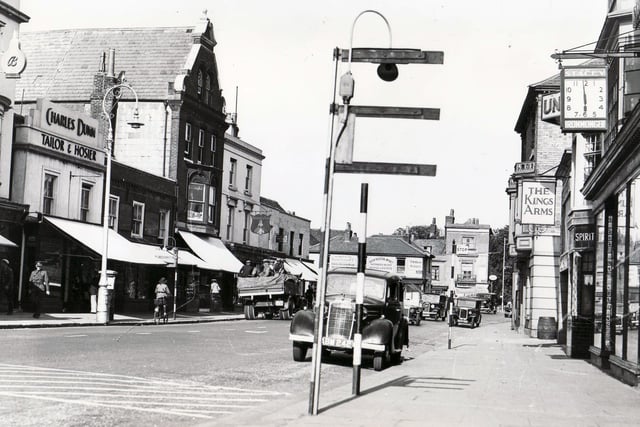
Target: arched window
pixel 200 82
pixel 207 96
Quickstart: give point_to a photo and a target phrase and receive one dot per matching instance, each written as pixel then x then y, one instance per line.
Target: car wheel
pixel 249 312
pixel 299 352
pixel 473 323
pixel 378 361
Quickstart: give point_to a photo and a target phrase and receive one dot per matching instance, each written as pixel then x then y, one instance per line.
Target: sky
pixel 278 54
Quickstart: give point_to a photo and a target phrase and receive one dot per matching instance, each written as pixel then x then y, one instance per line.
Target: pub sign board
pixel 538 202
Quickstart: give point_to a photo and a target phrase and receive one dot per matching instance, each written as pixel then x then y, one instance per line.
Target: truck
pixel 273 297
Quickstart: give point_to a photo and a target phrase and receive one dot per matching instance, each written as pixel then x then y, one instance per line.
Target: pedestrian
pixel 216 301
pixel 6 282
pixel 246 269
pixel 39 284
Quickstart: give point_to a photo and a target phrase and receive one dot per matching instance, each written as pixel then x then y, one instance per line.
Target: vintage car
pixel 435 307
pixel 467 311
pixel 413 304
pixel 489 302
pixel 385 329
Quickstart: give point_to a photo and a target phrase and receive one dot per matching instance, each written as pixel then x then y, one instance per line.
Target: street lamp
pixel 102 312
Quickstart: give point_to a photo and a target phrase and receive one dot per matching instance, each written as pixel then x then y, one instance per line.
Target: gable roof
pixel 437 245
pixel 62 63
pixel 376 245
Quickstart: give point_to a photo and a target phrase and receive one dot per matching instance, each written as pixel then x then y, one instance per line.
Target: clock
pixel 584 99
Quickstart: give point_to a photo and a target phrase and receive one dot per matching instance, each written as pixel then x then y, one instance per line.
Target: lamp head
pixel 135 123
pixel 388 72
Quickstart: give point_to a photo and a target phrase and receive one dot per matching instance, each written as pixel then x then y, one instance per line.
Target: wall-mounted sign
pixel 584 99
pixel 523 244
pixel 13 59
pixel 538 202
pixel 550 108
pixel 56 119
pixel 523 168
pixel 260 223
pixel 413 268
pixel 339 261
pixel 584 236
pixel 462 249
pixel 382 263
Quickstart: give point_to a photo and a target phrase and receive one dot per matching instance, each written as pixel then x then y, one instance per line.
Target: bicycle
pixel 157 315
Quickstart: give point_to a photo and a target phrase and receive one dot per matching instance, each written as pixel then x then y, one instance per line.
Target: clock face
pixel 585 98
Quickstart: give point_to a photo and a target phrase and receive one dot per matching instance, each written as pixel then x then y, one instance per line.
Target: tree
pixel 496 256
pixel 418 231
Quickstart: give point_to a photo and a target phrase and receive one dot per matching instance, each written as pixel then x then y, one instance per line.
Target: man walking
pixel 39 284
pixel 6 283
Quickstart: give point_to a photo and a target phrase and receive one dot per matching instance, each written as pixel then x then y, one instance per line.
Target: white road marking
pixel 193 332
pixel 75 336
pixel 127 392
pixel 143 333
pixel 256 332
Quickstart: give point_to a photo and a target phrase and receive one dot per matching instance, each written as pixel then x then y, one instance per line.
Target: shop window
pixel 187 140
pixel 85 197
pixel 114 204
pixel 435 273
pixel 195 209
pixel 137 220
pixel 48 193
pixel 599 281
pixel 633 302
pixel 620 303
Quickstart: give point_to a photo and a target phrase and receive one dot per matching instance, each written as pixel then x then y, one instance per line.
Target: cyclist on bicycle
pixel 162 293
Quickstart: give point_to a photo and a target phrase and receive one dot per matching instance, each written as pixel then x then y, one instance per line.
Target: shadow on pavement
pixel 435 383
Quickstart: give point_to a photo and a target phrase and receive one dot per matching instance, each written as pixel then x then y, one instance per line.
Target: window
pixel 200 145
pixel 137 219
pixel 48 192
pixel 195 209
pixel 213 149
pixel 292 236
pixel 230 223
pixel 200 77
pixel 211 212
pixel 163 225
pixel 280 239
pixel 85 194
pixel 187 139
pixel 114 202
pixel 232 172
pixel 208 95
pixel 248 179
pixel 301 236
pixel 592 153
pixel 435 273
pixel 467 270
pixel 400 264
pixel 470 242
pixel 247 224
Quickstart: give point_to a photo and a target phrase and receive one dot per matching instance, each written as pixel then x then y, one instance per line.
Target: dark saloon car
pixel 435 307
pixel 467 311
pixel 385 329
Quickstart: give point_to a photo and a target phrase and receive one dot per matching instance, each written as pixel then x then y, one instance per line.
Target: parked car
pixel 385 329
pixel 467 311
pixel 413 304
pixel 435 307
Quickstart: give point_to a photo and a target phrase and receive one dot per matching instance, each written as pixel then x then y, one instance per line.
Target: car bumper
pixel 327 342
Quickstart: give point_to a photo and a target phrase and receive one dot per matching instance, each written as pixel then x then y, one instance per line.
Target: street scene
pixel 185 239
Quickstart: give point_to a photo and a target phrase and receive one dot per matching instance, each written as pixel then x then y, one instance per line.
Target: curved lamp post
pixel 102 312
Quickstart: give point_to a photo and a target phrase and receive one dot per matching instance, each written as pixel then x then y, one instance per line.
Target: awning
pixel 6 242
pixel 119 248
pixel 297 268
pixel 213 252
pixel 311 266
pixel 184 258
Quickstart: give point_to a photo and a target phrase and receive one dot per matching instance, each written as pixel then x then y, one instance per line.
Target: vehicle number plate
pixel 279 303
pixel 337 342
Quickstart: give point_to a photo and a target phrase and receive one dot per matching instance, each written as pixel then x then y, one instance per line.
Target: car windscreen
pixel 345 285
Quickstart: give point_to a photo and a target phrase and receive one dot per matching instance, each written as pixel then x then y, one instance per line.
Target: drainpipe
pixel 167 109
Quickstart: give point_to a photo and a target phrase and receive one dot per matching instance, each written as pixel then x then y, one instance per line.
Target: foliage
pixel 496 257
pixel 418 231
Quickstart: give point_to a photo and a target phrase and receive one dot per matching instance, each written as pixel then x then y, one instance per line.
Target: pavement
pixel 55 320
pixel 491 376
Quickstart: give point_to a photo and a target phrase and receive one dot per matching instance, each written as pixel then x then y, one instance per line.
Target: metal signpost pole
pixel 175 281
pixel 362 262
pixel 504 254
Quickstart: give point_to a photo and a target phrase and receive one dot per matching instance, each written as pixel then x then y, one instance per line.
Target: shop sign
pixel 382 263
pixel 538 202
pixel 67 123
pixel 69 148
pixel 13 59
pixel 413 268
pixel 340 261
pixel 462 249
pixel 584 236
pixel 523 244
pixel 551 108
pixel 523 168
